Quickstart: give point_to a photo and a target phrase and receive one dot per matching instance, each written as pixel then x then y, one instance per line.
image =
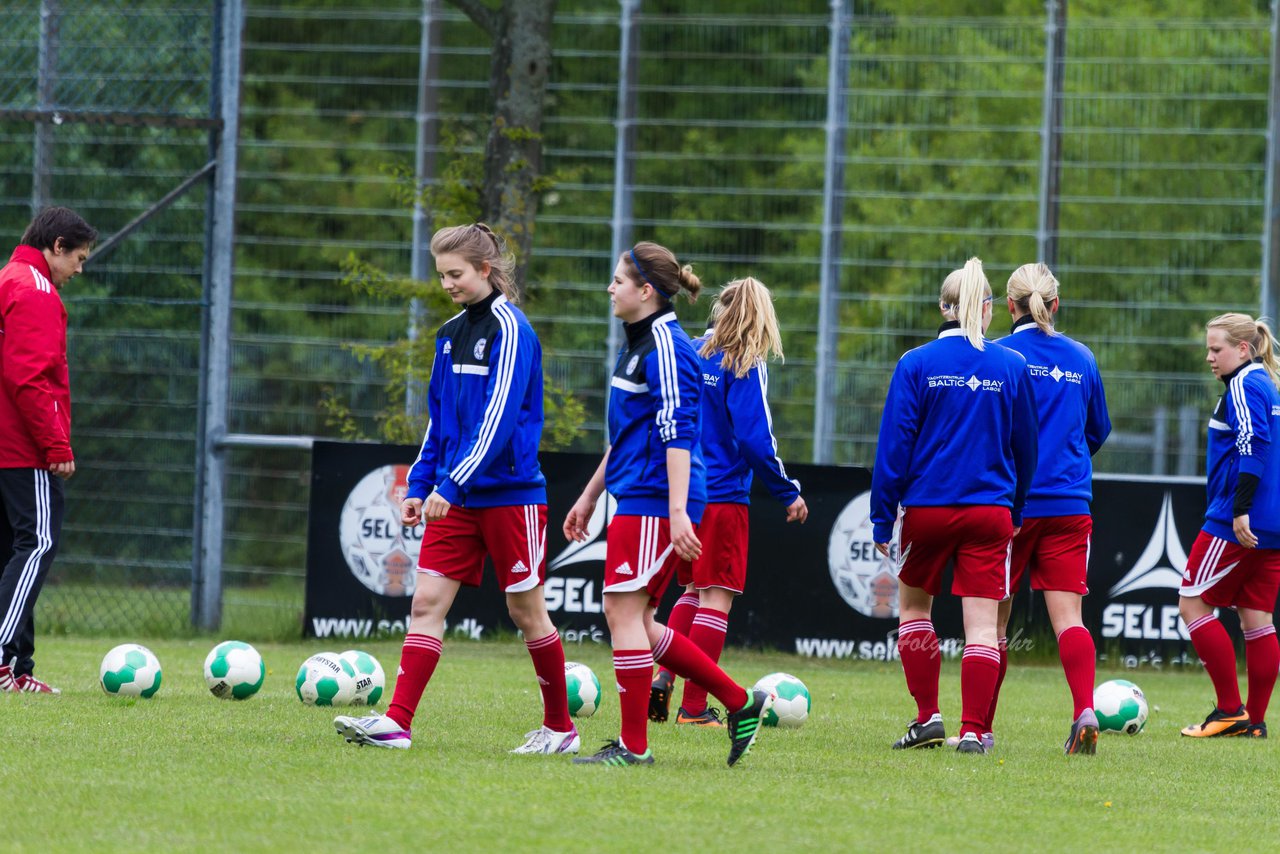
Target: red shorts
pixel 515 537
pixel 723 562
pixel 639 556
pixel 977 538
pixel 1056 548
pixel 1225 574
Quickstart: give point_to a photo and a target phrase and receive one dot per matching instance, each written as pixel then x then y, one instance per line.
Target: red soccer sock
pixel 1218 656
pixel 418 659
pixel 1003 645
pixel 921 664
pixel 677 652
pixel 979 667
pixel 681 620
pixel 633 668
pixel 1262 661
pixel 709 628
pixel 548 662
pixel 1075 648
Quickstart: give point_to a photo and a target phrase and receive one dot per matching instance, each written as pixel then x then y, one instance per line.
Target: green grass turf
pixel 186 771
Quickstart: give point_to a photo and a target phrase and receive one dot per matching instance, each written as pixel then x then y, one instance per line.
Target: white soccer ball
pixel 1121 707
pixel 371 681
pixel 583 688
pixel 233 670
pixel 130 670
pixel 326 679
pixel 791 700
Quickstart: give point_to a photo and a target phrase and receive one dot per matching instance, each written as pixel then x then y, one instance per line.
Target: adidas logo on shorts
pixel 624 569
pixel 519 567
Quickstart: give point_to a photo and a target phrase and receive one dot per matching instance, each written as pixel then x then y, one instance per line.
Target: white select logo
pixel 864 579
pixel 381 552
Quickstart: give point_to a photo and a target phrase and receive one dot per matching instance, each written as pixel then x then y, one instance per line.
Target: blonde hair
pixel 1033 289
pixel 963 293
pixel 1262 342
pixel 744 326
pixel 477 243
pixel 655 265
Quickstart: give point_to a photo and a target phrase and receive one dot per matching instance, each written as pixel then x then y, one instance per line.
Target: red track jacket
pixel 35 390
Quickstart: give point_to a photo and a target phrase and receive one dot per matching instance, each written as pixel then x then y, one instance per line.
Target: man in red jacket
pixel 35 426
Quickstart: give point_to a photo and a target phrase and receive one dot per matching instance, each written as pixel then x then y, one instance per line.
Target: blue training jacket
pixel 1241 430
pixel 654 405
pixel 737 433
pixel 485 405
pixel 959 427
pixel 1074 423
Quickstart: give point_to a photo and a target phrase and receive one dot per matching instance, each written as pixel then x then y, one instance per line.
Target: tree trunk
pixel 518 72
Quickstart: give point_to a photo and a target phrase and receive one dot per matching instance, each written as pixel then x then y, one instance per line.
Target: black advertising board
pixel 819 589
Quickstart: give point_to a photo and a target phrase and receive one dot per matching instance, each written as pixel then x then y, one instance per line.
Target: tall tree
pixel 519 68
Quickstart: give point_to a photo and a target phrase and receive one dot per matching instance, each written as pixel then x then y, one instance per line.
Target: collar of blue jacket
pixel 638 330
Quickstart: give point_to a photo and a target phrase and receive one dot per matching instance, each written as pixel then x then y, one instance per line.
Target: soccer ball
pixel 791 703
pixel 326 679
pixel 233 670
pixel 1120 706
pixel 130 670
pixel 583 688
pixel 371 681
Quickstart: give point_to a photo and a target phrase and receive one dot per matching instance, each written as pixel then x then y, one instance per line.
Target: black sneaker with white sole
pixel 931 733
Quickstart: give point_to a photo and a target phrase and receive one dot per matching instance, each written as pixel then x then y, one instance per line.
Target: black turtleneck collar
pixel 638 330
pixel 477 310
pixel 1022 321
pixel 950 324
pixel 1229 377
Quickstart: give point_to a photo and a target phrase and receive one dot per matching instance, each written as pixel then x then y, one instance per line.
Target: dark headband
pixel 645 276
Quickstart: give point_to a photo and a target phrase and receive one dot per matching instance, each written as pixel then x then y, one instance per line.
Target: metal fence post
pixel 1270 221
pixel 1055 30
pixel 624 141
pixel 215 326
pixel 824 421
pixel 424 169
pixel 46 92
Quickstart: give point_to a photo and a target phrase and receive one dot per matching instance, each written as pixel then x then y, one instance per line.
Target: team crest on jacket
pixel 631 366
pixel 448 347
pixel 479 351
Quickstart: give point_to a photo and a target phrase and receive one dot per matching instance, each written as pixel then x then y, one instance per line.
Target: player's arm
pixel 1026 446
pixel 421 480
pixel 899 430
pixel 575 524
pixel 676 399
pixel 748 403
pixel 30 353
pixel 1097 425
pixel 1248 413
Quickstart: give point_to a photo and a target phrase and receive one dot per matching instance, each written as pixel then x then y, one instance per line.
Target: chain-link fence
pixel 1157 192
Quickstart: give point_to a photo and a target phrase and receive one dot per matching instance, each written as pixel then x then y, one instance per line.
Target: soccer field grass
pixel 186 771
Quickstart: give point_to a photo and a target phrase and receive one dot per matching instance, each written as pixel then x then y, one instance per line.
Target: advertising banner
pixel 818 589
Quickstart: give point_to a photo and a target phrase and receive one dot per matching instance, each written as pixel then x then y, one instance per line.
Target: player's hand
pixel 411 511
pixel 1244 534
pixel 798 511
pixel 1017 529
pixel 683 537
pixel 575 524
pixel 883 548
pixel 63 470
pixel 436 508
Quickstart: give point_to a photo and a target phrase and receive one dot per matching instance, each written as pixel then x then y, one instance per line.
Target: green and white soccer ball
pixel 371 681
pixel 583 688
pixel 791 700
pixel 130 670
pixel 1120 706
pixel 233 670
pixel 326 679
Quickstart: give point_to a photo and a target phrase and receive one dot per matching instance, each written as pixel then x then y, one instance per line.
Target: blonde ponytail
pixel 744 326
pixel 1033 289
pixel 1237 328
pixel 963 293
